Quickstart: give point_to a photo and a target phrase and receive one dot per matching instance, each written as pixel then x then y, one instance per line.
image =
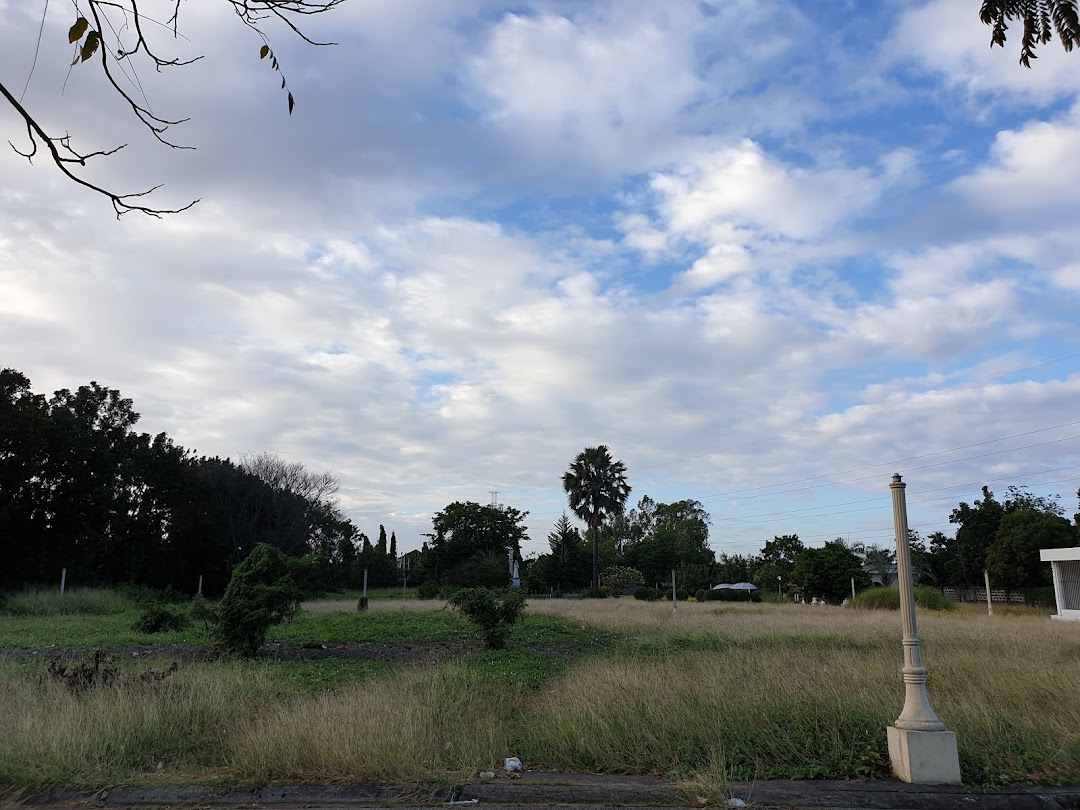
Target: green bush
pixel 1041 597
pixel 713 596
pixel 162 618
pixel 681 594
pixel 700 595
pixel 889 599
pixel 645 594
pixel 261 593
pixel 494 611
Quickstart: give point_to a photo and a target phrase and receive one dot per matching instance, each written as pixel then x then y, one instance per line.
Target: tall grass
pixel 81 602
pixel 734 690
pixel 889 599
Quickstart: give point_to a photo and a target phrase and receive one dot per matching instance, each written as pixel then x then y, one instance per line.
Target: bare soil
pixel 394 651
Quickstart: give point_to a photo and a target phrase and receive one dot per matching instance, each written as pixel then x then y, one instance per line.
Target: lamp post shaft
pixel 917 714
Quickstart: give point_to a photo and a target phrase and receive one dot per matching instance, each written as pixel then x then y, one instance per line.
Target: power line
pixel 902 460
pixel 868 477
pixel 794 512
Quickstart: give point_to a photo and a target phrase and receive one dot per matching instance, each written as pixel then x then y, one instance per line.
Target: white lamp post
pixel 921 749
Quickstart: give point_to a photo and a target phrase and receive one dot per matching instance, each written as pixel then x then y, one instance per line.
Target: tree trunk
pixel 596 560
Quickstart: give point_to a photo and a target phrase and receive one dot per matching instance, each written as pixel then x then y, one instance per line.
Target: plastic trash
pixel 512 764
pixel 736 802
pixel 487 774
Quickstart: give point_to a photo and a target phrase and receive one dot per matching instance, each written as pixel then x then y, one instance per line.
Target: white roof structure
pixel 1066 565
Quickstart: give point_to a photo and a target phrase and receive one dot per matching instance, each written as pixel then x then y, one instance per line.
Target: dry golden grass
pixel 780 688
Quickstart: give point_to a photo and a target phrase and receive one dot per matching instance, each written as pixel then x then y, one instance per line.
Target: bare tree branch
pixel 88 37
pixel 63 155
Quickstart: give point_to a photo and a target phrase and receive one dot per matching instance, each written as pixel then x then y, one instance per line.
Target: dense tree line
pixel 81 489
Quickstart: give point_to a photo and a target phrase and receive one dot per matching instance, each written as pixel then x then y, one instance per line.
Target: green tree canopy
pixel 1013 558
pixel 777 559
pixel 472 540
pixel 672 535
pixel 827 572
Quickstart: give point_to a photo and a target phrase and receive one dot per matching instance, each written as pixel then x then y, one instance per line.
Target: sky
pixel 768 252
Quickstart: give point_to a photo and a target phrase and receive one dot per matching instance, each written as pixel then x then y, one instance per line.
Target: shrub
pixel 700 595
pixel 203 612
pixel 713 596
pixel 428 590
pixel 261 593
pixel 681 595
pixel 494 611
pixel 1041 597
pixel 618 577
pixel 889 599
pixel 162 618
pixel 646 594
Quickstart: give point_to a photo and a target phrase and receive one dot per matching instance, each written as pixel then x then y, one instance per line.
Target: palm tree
pixel 596 487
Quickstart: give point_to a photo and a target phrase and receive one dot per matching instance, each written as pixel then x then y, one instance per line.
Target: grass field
pixel 710 693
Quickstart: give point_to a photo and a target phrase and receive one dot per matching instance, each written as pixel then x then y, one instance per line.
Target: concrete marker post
pixel 63 580
pixel 921 750
pixel 674 596
pixel 989 603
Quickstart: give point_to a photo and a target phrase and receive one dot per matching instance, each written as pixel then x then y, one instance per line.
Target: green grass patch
pixel 372 625
pixel 515 670
pixel 86 630
pixel 322 674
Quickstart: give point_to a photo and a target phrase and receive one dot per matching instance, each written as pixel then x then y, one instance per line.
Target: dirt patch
pixel 398 652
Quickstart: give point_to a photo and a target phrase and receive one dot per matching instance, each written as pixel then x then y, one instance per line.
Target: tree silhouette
pixel 596 488
pixel 1041 19
pixel 115 36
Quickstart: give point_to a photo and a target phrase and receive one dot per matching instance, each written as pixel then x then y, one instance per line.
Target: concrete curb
pixel 889 795
pixel 570 789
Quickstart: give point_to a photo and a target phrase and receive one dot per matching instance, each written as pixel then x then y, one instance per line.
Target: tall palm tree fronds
pixel 596 488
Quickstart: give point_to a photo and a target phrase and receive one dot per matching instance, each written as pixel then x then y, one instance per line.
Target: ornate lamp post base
pixel 924 757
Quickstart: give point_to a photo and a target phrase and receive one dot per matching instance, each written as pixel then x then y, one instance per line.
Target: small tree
pixel 261 593
pixel 494 611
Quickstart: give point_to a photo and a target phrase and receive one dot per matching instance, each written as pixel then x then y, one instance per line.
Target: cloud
pixel 708 235
pixel 947 39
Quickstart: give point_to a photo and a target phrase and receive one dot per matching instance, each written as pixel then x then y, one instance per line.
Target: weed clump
pixel 162 618
pixel 494 611
pixel 97 671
